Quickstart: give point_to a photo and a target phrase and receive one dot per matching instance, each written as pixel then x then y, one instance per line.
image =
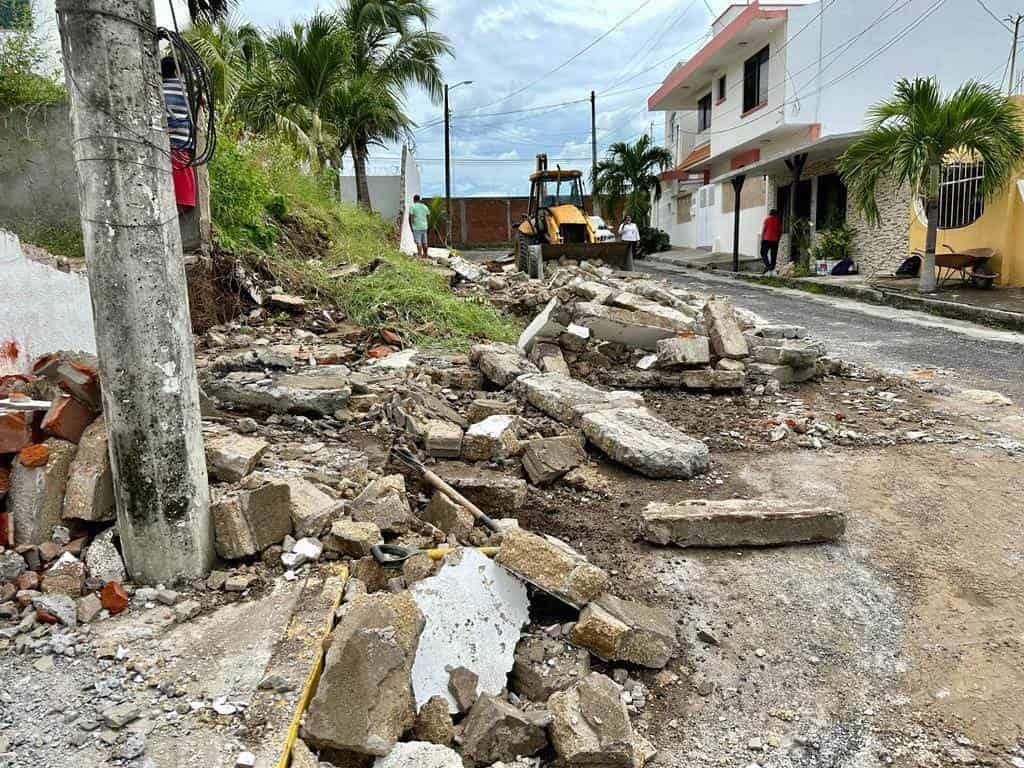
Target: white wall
pixel 385 194
pixel 410 188
pixel 663 216
pixel 42 309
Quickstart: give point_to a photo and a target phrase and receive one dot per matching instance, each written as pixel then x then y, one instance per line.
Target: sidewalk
pixel 1002 307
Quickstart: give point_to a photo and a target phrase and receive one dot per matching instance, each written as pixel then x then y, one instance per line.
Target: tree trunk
pixel 927 282
pixel 362 184
pixel 137 281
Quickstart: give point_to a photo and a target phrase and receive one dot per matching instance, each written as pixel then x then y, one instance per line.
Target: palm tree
pixel 629 172
pixel 911 135
pixel 391 49
pixel 293 85
pixel 230 51
pixel 437 218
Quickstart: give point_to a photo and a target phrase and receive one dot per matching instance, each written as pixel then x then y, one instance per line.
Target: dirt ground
pixel 900 645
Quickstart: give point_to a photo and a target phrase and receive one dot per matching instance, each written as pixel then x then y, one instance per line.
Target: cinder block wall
pixel 489 220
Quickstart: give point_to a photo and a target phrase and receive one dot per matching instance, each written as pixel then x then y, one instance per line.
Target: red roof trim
pixel 713 46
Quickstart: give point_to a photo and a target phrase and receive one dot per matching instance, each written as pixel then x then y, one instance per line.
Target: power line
pixel 995 18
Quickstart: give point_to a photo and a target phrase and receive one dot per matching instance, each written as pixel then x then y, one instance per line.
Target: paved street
pixel 979 357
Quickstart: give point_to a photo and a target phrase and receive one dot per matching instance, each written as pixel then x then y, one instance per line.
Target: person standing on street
pixel 418 218
pixel 771 232
pixel 629 233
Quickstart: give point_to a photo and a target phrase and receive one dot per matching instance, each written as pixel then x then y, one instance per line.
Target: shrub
pixel 654 240
pixel 834 243
pixel 22 81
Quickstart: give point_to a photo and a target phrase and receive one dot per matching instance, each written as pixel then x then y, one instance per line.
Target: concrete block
pixel 740 522
pixel 796 354
pixel 553 566
pixel 590 725
pixel 231 457
pixel 621 630
pixel 383 503
pixel 497 731
pixel 482 407
pixel 65 577
pixel 352 539
pixel 567 399
pixel 496 493
pixel 646 444
pixel 311 509
pixel 319 391
pixel 247 522
pixel 492 439
pixel 634 329
pixel 545 665
pixel 783 374
pixel 542 327
pixel 548 358
pixel 500 363
pixel 452 518
pixel 419 754
pixel 475 611
pixel 35 500
pixel 89 494
pixel 726 336
pixel 683 351
pixel 103 560
pixel 548 459
pixel 444 439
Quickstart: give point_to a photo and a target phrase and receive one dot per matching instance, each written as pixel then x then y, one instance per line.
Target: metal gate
pixel 704 215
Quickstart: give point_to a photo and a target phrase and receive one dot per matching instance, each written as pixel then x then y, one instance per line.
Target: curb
pixel 1000 318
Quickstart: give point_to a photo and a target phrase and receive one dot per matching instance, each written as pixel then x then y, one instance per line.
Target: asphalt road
pixel 973 356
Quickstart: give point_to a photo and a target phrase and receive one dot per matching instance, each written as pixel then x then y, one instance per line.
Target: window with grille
pixel 704 113
pixel 960 200
pixel 755 80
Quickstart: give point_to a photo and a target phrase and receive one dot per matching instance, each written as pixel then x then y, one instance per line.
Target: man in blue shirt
pixel 418 221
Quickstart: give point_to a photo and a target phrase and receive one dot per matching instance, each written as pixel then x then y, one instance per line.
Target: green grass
pixel 290 225
pixel 59 241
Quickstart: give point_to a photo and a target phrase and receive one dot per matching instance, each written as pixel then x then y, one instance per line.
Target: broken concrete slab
pixel 495 730
pixel 779 331
pixel 552 565
pixel 434 723
pixel 310 508
pixel 65 577
pixel 545 665
pixel 684 351
pixel 247 522
pixel 475 612
pixel 35 500
pixel 632 328
pixel 482 407
pixel 231 457
pixel 644 443
pixel 726 336
pixel 352 539
pixel 622 630
pixel 550 458
pixel 319 391
pixel 541 328
pixel 740 522
pixel 419 754
pixel 568 400
pixel 102 558
pixel 591 290
pixel 500 363
pixel 590 725
pixel 795 353
pixel 700 378
pixel 89 494
pixel 498 494
pixel 383 502
pixel 452 518
pixel 783 374
pixel 492 439
pixel 575 338
pixel 363 702
pixel 443 440
pixel 549 358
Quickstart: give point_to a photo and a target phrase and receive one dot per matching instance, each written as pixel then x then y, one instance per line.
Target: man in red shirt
pixel 770 234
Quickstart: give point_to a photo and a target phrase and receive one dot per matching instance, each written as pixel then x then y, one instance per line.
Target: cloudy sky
pixel 503 46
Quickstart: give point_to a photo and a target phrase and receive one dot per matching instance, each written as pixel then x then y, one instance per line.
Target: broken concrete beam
pixel 475 611
pixel 683 351
pixel 779 331
pixel 553 566
pixel 634 329
pixel 644 443
pixel 383 502
pixel 247 522
pixel 590 725
pixel 352 539
pixel 310 508
pixel 102 559
pixel 364 701
pixel 67 419
pixel 15 432
pixel 541 328
pixel 796 354
pixel 783 374
pixel 548 357
pixel 550 458
pixel 567 399
pixel 496 493
pixel 740 522
pixel 443 440
pixel 700 378
pixel 452 518
pixel 483 407
pixel 621 630
pixel 726 336
pixel 495 730
pixel 319 391
pixel 35 500
pixel 89 494
pixel 591 290
pixel 492 439
pixel 231 457
pixel 500 363
pixel 545 665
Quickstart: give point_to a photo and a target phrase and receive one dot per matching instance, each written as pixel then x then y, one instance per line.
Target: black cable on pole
pixel 198 92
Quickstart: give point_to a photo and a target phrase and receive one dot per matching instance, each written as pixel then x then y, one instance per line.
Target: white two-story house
pixel 780 90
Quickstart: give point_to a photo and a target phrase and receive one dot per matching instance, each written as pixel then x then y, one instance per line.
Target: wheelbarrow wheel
pixel 982 281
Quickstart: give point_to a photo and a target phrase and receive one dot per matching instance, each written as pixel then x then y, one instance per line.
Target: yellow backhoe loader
pixel 556 221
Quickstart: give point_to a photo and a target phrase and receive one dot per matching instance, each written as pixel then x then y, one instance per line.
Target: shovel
pixel 409 459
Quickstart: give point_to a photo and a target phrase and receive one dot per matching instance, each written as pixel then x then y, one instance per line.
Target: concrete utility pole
pixel 137 280
pixel 1013 53
pixel 447 170
pixel 593 153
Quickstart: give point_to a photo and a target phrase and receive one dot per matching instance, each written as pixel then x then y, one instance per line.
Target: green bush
pixel 239 194
pixel 22 82
pixel 654 240
pixel 834 243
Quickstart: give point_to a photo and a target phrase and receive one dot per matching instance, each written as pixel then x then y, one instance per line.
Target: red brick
pixel 15 432
pixel 113 597
pixel 82 381
pixel 46 617
pixel 67 419
pixel 35 455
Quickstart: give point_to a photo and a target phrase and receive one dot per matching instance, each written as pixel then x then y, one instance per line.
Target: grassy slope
pixel 289 223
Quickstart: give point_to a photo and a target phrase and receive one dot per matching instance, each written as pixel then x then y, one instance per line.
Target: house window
pixel 831 205
pixel 721 89
pixel 755 80
pixel 15 14
pixel 961 202
pixel 704 114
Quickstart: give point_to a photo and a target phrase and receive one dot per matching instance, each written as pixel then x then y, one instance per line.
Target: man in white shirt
pixel 629 233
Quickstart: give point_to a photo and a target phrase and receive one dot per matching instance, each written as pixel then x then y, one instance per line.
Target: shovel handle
pixel 458 498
